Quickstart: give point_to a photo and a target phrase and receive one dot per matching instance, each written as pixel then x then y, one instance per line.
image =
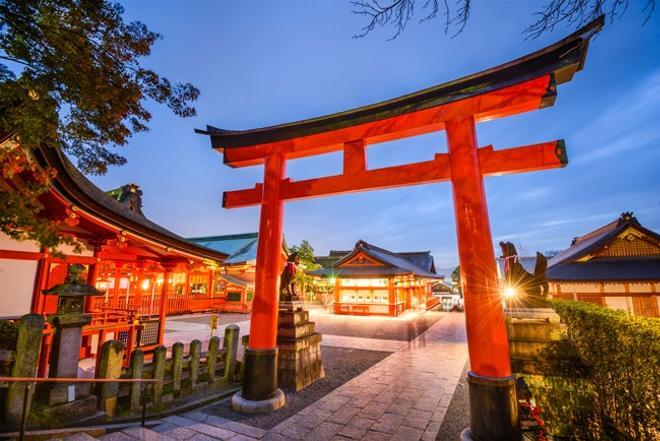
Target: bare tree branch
pixel 398 13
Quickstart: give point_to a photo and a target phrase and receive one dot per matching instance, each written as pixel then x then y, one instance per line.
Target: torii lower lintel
pixel 356 178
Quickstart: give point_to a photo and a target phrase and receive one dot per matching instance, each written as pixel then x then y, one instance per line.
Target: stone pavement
pixel 403 397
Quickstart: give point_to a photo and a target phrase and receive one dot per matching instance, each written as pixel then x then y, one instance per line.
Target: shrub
pixel 8 335
pixel 623 352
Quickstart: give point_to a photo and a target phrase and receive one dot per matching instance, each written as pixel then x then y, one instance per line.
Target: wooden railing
pixel 148 306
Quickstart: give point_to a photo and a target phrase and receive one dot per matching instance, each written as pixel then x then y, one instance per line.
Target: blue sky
pixel 260 63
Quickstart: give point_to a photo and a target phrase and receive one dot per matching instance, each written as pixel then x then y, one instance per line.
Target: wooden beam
pixel 518 98
pixel 493 163
pixel 355 157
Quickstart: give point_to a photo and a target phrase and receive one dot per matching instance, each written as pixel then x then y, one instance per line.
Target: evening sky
pixel 259 63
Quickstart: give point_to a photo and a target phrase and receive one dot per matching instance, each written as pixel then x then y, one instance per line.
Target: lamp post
pixel 65 351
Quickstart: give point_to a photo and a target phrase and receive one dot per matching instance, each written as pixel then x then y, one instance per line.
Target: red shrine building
pixel 616 265
pixel 373 281
pixel 134 261
pixel 239 269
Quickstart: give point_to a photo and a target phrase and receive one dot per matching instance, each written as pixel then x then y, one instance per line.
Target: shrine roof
pixel 84 194
pixel 417 263
pixel 586 260
pixel 560 60
pixel 241 248
pixel 595 240
pixel 238 279
pixel 606 270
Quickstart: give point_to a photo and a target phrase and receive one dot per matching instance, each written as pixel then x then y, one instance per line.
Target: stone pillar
pixel 530 331
pixel 136 366
pixel 160 354
pixel 112 359
pixel 64 358
pixel 212 357
pixel 299 359
pixel 177 367
pixel 30 331
pixel 195 351
pixel 231 351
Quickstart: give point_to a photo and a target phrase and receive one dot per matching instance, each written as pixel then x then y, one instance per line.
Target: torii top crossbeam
pixel 536 76
pixel 526 84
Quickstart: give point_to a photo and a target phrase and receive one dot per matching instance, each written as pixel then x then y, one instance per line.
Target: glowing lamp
pixel 509 292
pixel 145 284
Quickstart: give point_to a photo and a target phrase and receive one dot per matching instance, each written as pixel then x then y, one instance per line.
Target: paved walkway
pixel 404 397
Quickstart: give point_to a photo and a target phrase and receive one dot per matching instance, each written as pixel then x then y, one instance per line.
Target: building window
pixel 233 296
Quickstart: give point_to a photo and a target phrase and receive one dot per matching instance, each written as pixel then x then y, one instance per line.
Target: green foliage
pixel 567 406
pixel 8 335
pixel 623 352
pixel 306 256
pixel 71 79
pixel 456 277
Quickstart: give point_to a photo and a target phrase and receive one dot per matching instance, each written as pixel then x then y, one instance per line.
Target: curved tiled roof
pixel 567 265
pixel 82 192
pixel 417 263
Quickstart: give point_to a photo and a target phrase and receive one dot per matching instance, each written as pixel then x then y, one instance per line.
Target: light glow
pixel 509 292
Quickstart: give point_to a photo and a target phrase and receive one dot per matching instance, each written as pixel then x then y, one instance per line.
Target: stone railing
pixel 185 373
pixel 182 375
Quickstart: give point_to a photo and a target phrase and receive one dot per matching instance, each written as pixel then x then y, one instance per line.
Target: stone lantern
pixel 65 351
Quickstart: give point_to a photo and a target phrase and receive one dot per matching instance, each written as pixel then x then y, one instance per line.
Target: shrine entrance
pixel 526 84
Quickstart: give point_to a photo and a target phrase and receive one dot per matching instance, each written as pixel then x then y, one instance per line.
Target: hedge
pixel 623 352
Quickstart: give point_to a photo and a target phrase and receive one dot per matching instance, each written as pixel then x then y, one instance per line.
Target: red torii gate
pixel 525 84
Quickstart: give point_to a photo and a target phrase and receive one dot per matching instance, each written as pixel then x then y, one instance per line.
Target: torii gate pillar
pixel 493 406
pixel 260 392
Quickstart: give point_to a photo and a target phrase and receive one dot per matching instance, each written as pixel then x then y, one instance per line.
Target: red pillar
pixel 162 311
pixel 260 392
pixel 493 405
pixel 263 323
pixel 488 345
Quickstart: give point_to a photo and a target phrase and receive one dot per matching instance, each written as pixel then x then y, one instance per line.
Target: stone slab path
pixel 404 397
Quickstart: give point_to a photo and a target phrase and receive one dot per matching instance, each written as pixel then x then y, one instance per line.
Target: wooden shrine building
pixel 145 271
pixel 373 281
pixel 616 265
pixel 236 279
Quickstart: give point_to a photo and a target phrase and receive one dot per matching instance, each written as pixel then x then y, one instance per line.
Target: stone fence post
pixel 212 358
pixel 135 368
pixel 28 344
pixel 195 354
pixel 231 351
pixel 110 364
pixel 160 354
pixel 177 368
pixel 244 342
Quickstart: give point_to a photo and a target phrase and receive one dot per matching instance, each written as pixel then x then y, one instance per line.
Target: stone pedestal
pixel 530 331
pixel 299 359
pixel 64 361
